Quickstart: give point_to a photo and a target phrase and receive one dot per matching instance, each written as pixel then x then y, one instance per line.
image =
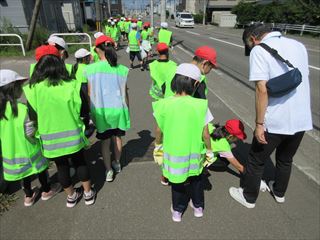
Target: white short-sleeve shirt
pixel 291 113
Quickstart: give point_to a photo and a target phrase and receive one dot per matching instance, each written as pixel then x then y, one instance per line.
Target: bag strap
pixel 275 54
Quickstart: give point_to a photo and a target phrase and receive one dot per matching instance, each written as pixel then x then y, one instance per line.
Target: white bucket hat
pixel 81 53
pixel 8 76
pixel 57 40
pixel 97 34
pixel 189 70
pixel 164 25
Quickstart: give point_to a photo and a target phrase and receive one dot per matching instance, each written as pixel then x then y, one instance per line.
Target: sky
pixel 131 4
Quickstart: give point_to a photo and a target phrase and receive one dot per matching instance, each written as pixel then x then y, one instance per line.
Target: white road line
pixel 236 45
pixel 187 52
pixel 193 33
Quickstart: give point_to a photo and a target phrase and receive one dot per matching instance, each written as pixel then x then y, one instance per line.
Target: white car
pixel 184 19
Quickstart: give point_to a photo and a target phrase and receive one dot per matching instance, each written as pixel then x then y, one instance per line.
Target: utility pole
pixel 33 23
pixel 204 12
pixel 98 15
pixel 109 8
pixel 151 12
pixel 163 11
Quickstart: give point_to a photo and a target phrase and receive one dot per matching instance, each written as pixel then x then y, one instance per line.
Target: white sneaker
pixel 109 176
pixel 237 194
pixel 263 186
pixel 278 199
pixel 116 166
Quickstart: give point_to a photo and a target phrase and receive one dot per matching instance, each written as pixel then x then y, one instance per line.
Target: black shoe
pixel 71 202
pixel 142 68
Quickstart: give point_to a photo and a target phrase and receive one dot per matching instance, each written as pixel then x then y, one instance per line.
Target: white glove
pixel 158 154
pixel 209 158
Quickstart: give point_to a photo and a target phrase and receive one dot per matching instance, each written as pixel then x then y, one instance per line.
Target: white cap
pixel 133 25
pixel 113 23
pixel 97 34
pixel 164 25
pixel 53 40
pixel 139 18
pixel 189 70
pixel 109 20
pixel 8 76
pixel 81 53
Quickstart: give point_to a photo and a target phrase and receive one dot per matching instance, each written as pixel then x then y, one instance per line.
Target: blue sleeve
pixel 138 36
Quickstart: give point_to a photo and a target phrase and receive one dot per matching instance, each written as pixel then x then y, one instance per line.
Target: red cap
pixel 207 53
pixel 134 20
pixel 46 50
pixel 147 24
pixel 162 47
pixel 235 127
pixel 104 39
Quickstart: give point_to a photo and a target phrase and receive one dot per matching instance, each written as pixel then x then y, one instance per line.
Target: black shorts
pixel 110 133
pixel 134 54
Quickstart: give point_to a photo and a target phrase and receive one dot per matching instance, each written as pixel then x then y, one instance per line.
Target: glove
pixel 158 154
pixel 209 158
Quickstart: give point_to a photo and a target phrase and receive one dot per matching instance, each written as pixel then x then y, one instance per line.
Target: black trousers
pixel 286 147
pixel 63 167
pixel 43 179
pixel 183 192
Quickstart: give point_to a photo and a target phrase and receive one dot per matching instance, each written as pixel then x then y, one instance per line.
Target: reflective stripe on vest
pixel 181 159
pixel 65 134
pixel 21 160
pixel 56 146
pixel 180 171
pixel 133 42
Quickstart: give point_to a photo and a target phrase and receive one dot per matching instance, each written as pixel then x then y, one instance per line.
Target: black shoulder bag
pixel 284 83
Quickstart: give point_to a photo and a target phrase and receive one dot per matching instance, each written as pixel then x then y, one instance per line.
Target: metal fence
pixel 295 27
pixel 75 34
pixel 13 44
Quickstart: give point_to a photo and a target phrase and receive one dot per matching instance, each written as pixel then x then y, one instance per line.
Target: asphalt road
pixel 136 205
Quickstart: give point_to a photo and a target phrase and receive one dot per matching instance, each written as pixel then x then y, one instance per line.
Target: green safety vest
pixel 133 42
pixel 94 54
pixel 60 128
pixel 80 77
pixel 204 79
pixel 161 73
pixel 114 33
pixel 107 86
pixel 165 36
pixel 107 29
pixel 139 25
pixel 151 37
pixel 127 27
pixel 181 120
pixel 20 158
pixel 33 65
pixel 121 25
pixel 145 35
pixel 219 145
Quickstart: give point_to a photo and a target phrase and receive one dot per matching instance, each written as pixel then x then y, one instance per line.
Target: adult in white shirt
pixel 280 121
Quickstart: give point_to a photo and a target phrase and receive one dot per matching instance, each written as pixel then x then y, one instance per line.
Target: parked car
pixel 184 19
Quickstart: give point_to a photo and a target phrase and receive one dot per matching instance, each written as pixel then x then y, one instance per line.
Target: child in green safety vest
pixel 182 140
pixel 114 34
pixel 205 58
pixel 165 35
pixel 55 102
pixel 21 151
pixel 107 83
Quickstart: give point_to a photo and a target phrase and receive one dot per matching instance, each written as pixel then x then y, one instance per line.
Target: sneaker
pixel 109 176
pixel 176 216
pixel 90 199
pixel 278 199
pixel 263 186
pixel 29 201
pixel 131 66
pixel 55 188
pixel 237 194
pixel 164 181
pixel 71 202
pixel 197 212
pixel 116 166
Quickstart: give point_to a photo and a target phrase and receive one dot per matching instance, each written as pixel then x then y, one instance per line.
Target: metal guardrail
pixel 75 34
pixel 295 27
pixel 13 44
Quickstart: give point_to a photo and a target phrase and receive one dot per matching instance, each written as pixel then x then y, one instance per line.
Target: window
pixel 186 15
pixel 114 1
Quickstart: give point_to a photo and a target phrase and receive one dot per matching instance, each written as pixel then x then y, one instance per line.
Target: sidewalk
pixel 137 206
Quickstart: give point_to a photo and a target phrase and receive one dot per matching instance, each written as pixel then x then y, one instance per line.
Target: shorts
pixel 110 133
pixel 134 54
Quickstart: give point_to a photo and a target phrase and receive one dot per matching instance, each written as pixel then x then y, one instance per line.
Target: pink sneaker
pixel 29 201
pixel 197 212
pixel 55 188
pixel 176 216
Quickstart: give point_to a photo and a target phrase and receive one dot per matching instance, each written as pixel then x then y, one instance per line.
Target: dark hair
pixel 84 60
pixel 10 93
pixel 199 60
pixel 257 30
pixel 165 52
pixel 219 132
pixel 110 53
pixel 182 84
pixel 52 68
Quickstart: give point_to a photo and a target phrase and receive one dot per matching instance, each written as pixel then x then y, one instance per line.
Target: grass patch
pixel 6 201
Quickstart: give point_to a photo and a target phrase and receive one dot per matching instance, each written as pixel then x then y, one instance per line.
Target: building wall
pixel 13 11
